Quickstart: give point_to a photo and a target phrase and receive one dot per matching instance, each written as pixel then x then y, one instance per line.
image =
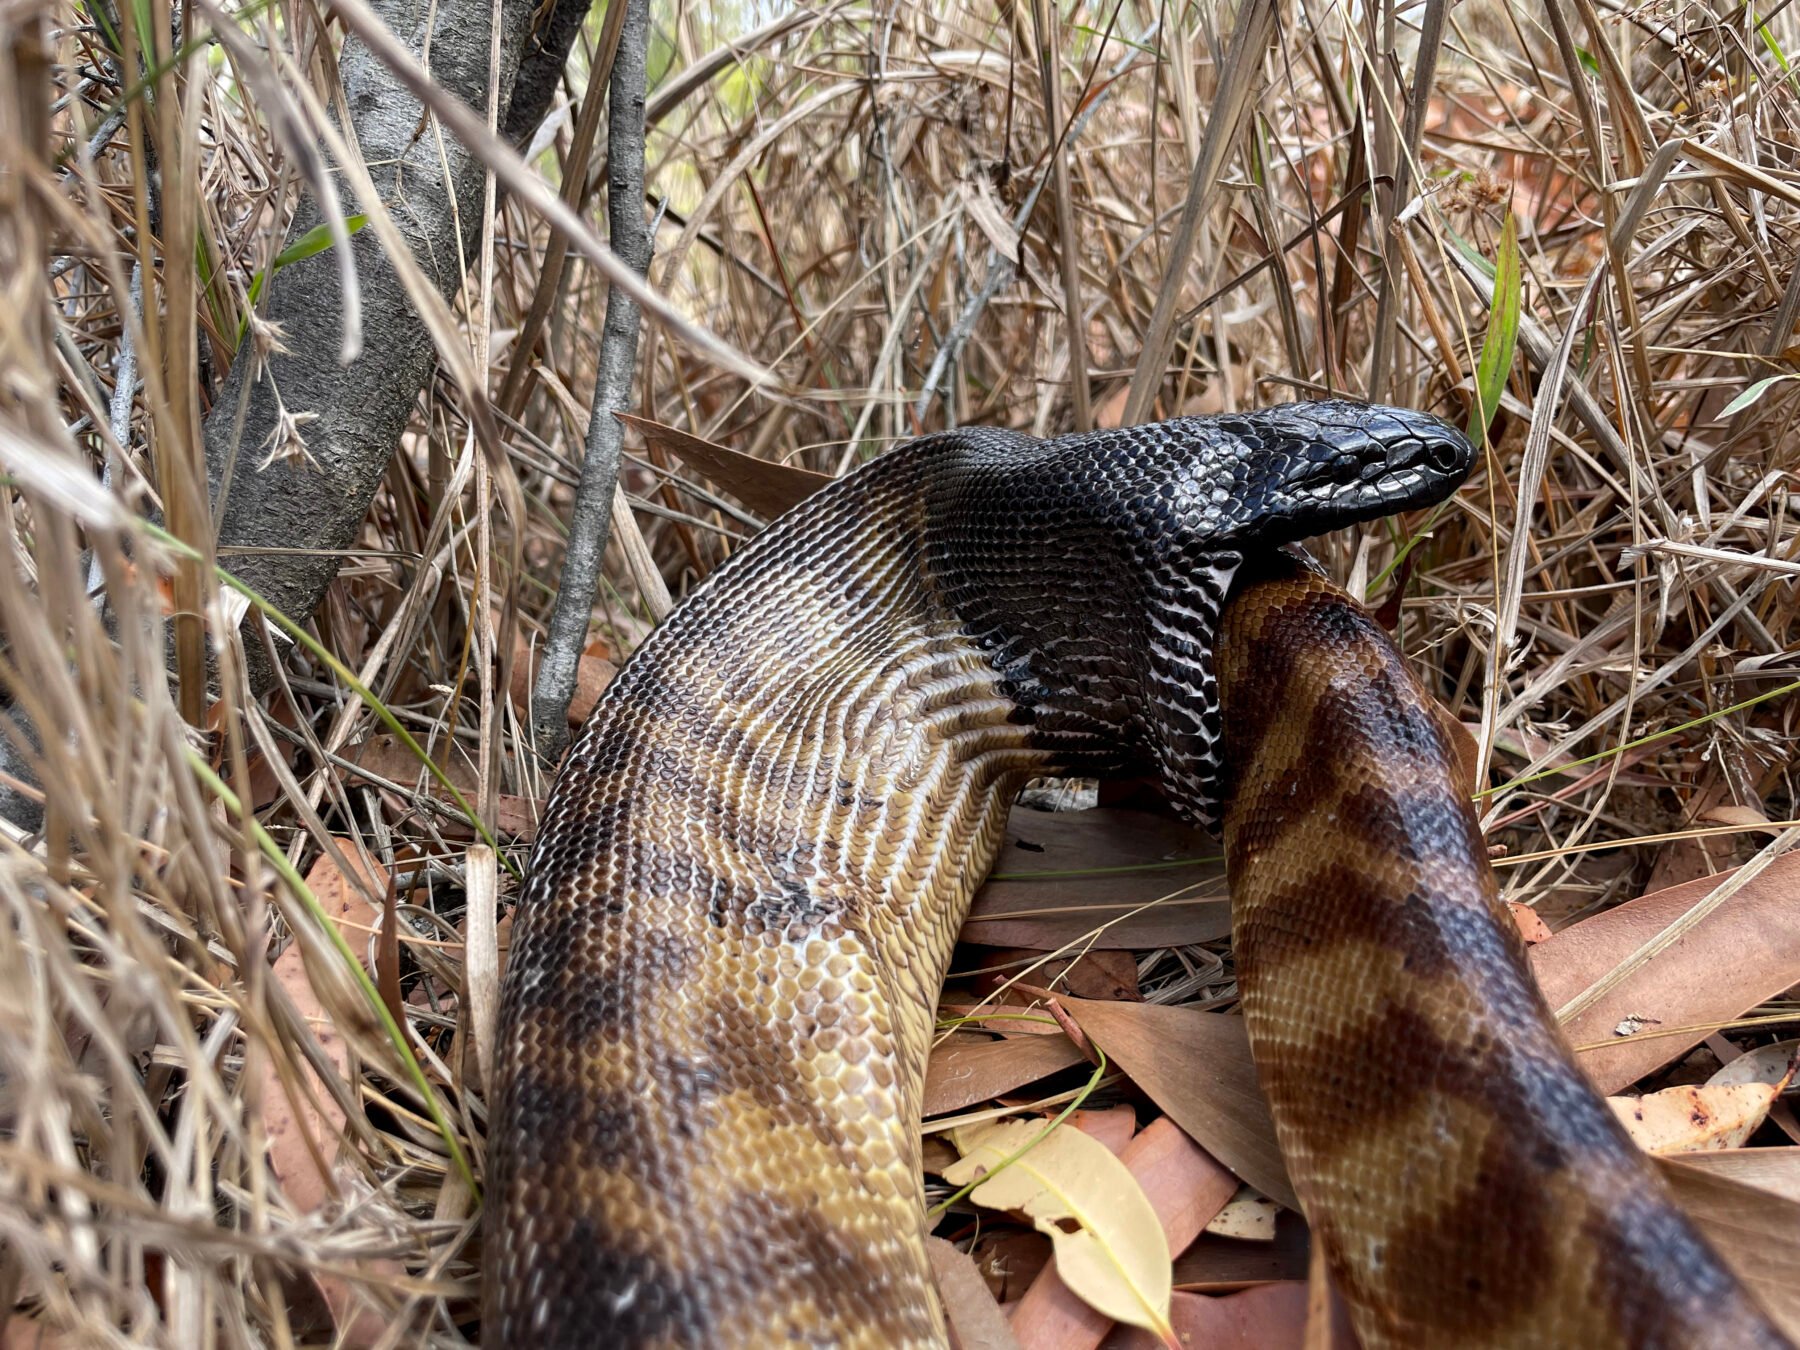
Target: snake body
pixel 753 865
pixel 1468 1185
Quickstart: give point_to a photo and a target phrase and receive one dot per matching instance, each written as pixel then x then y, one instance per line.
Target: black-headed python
pixel 754 863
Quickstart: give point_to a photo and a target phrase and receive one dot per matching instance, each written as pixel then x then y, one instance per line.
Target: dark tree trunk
pixel 352 417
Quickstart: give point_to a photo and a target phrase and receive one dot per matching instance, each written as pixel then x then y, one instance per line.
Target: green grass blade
pixel 938 1210
pixel 314 241
pixel 1502 337
pixel 1768 38
pixel 362 691
pixel 1750 395
pixel 304 894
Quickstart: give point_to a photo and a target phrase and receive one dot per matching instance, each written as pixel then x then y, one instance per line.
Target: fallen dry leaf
pixel 1186 1187
pixel 1061 875
pixel 1009 1259
pixel 1248 1217
pixel 1268 1317
pixel 1733 814
pixel 1531 927
pixel 1690 857
pixel 1686 859
pixel 1775 1064
pixel 1018 1019
pixel 1109 1245
pixel 976 1322
pixel 291 1158
pixel 592 674
pixel 1772 1064
pixel 515 817
pixel 1101 973
pixel 387 757
pixel 301 1132
pixel 1689 1119
pixel 1114 1126
pixel 1197 1067
pixel 1217 1265
pixel 1776 1170
pixel 767 488
pixel 935 1154
pixel 1752 1229
pixel 1742 954
pixel 962 1073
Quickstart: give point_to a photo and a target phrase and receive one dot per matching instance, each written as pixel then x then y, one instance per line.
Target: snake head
pixel 1302 469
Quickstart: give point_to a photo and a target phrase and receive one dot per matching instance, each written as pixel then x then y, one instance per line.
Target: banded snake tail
pixel 1391 1008
pixel 754 862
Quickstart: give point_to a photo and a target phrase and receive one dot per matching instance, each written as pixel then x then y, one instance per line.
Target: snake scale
pixel 1469 1186
pixel 751 870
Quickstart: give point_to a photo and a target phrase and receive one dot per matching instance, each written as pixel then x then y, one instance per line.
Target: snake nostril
pixel 1442 455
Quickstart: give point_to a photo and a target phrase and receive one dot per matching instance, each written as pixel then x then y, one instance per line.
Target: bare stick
pixel 590 523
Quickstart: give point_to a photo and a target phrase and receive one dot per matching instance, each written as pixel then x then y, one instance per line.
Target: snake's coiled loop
pixel 752 868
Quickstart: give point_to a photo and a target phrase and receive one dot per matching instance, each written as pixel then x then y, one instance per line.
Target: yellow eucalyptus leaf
pixel 1109 1244
pixel 1247 1216
pixel 1690 1119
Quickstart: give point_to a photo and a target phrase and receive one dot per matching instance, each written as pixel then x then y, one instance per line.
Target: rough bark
pixel 541 63
pixel 354 416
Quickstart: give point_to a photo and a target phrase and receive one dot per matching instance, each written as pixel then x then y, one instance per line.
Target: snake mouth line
pixel 1379 487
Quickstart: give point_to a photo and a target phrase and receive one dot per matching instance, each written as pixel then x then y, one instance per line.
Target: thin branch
pixel 591 520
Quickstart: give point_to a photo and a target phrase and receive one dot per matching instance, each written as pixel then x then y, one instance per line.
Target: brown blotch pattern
pixel 751 873
pixel 1468 1185
pixel 711 1058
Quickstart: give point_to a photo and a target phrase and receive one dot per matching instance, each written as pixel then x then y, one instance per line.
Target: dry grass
pixel 1624 562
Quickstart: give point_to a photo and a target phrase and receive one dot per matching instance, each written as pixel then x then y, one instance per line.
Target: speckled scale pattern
pixel 754 862
pixel 1470 1187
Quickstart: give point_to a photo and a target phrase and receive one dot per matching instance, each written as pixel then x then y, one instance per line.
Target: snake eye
pixel 1370 460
